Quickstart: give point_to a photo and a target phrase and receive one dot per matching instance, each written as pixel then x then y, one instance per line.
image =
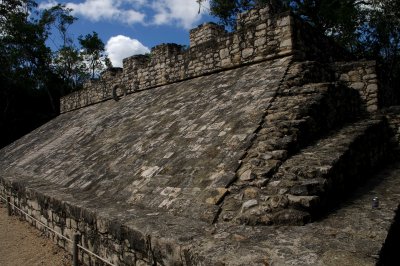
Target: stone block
pixel 69 233
pixel 357 85
pixel 369 77
pixel 224 53
pixel 248 175
pixel 372 108
pixel 43 220
pixel 35 205
pixel 102 226
pixel 247 52
pixel 261 26
pixel 249 204
pixel 260 42
pixel 286 43
pixel 226 62
pixel 57 229
pixel 285 21
pixel 372 88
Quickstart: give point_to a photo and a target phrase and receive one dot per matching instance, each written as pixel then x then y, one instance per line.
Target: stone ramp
pixel 150 178
pixel 170 149
pixel 143 179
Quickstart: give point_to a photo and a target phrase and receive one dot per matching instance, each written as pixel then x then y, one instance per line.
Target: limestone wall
pixel 206 32
pixel 361 76
pixel 260 36
pixel 95 91
pixel 106 238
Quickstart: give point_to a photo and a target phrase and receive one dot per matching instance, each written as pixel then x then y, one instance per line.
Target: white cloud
pixel 120 47
pixel 48 4
pixel 182 13
pixel 97 10
pixel 124 11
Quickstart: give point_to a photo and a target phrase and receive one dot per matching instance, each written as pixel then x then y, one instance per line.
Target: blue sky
pixel 130 27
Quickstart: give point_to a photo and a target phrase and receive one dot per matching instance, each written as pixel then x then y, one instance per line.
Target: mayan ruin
pixel 268 145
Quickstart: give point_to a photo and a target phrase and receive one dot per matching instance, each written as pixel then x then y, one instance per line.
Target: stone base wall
pixel 108 239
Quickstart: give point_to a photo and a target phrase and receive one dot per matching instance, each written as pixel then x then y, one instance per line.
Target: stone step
pixel 298 117
pixel 319 176
pixel 295 119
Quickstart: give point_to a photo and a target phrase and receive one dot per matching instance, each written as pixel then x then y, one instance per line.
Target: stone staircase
pixel 294 169
pixel 319 176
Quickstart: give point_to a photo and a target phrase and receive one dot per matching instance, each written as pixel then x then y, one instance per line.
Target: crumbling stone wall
pixel 212 49
pixel 106 237
pixel 95 91
pixel 206 32
pixel 260 35
pixel 361 76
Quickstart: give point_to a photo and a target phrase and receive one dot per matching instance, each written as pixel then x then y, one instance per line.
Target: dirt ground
pixel 21 244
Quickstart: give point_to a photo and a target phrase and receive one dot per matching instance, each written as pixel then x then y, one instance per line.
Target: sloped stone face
pixel 142 179
pixel 174 148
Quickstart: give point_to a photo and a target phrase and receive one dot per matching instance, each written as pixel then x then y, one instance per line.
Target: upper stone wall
pixel 206 32
pixel 260 35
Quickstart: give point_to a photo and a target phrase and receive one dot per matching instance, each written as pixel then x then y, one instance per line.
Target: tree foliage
pixel 367 28
pixel 93 52
pixel 33 76
pixel 226 10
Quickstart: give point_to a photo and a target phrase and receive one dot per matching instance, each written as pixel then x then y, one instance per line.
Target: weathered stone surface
pixel 160 149
pixel 259 36
pixel 349 237
pixel 163 175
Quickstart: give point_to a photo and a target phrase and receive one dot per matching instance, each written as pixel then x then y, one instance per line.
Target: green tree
pixel 339 19
pixel 25 101
pixel 382 40
pixel 68 64
pixel 367 28
pixel 227 10
pixel 93 53
pixel 33 76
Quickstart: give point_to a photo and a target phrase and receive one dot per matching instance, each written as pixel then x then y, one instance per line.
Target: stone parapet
pixel 210 51
pixel 252 17
pixel 205 33
pixel 260 36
